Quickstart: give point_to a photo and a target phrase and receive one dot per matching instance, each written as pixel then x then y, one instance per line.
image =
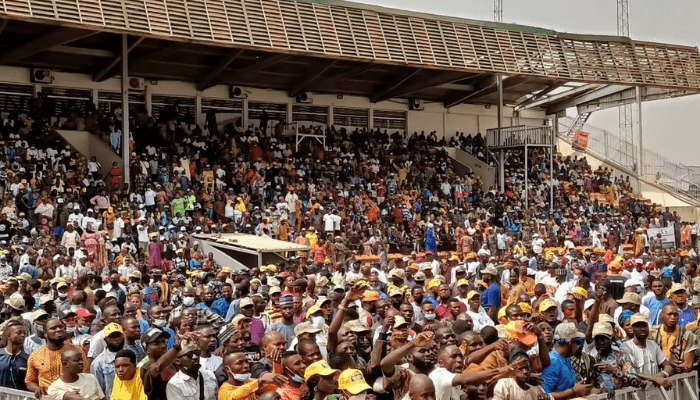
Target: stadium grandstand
pixel 434 196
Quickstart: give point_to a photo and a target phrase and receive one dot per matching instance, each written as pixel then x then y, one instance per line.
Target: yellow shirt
pixel 128 390
pixel 247 391
pixel 668 339
pixel 313 238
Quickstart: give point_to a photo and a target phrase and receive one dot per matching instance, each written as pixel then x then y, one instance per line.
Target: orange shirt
pixel 44 365
pixel 247 391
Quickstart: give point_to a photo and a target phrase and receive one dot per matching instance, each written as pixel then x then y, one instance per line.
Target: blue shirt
pixel 232 310
pixel 221 306
pixel 492 296
pixel 654 306
pixel 103 369
pixel 559 375
pixel 14 369
pixel 686 316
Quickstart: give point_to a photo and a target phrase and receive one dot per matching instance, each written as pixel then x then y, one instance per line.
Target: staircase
pixel 465 163
pixel 610 150
pixel 578 124
pixel 89 145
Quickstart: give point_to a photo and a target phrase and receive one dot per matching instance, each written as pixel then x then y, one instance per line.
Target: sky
pixel 669 127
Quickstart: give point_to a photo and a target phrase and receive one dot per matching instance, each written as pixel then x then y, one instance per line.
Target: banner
pixel 580 141
pixel 668 236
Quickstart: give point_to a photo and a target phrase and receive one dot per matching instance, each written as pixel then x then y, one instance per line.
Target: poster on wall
pixel 580 141
pixel 668 236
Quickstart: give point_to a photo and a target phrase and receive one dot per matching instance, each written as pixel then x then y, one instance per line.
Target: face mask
pixel 568 313
pixel 160 323
pixel 317 322
pixel 70 329
pixel 358 397
pixel 298 379
pixel 429 317
pixel 241 377
pixel 62 295
pixel 188 301
pixel 39 328
pixel 84 330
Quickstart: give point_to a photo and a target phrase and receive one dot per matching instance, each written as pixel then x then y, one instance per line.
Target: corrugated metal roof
pixel 345 30
pixel 253 242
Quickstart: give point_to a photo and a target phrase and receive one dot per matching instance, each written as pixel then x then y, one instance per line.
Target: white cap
pixel 588 303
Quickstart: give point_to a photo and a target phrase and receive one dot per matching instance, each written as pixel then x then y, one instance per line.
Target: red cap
pixel 84 313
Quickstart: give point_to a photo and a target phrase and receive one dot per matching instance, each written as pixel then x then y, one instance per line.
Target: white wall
pixel 462 118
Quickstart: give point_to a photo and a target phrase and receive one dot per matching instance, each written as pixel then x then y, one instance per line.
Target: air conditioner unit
pixel 415 104
pixel 137 83
pixel 304 98
pixel 234 92
pixel 42 76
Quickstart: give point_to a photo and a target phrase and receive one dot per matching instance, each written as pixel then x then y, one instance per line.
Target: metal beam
pixel 83 51
pixel 214 72
pixel 108 70
pixel 41 43
pixel 3 24
pixel 549 89
pixel 628 96
pixel 103 73
pixel 440 79
pixel 261 64
pixel 313 75
pixel 585 98
pixel 549 99
pixel 485 85
pixel 394 85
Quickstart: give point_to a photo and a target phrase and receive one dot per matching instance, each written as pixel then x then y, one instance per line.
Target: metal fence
pixel 14 394
pixel 515 136
pixel 675 176
pixel 685 387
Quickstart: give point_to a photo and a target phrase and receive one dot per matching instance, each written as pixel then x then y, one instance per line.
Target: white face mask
pixel 188 301
pixel 160 323
pixel 360 396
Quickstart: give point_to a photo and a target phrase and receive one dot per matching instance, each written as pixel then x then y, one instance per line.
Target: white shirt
pixel 480 319
pixel 644 360
pixel 211 363
pixel 442 379
pixel 184 387
pixel 330 222
pixel 86 386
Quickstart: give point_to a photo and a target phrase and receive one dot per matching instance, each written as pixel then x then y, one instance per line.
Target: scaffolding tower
pixel 625 111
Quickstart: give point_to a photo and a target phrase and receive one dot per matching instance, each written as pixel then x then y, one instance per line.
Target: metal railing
pixel 14 394
pixel 685 387
pixel 676 176
pixel 514 136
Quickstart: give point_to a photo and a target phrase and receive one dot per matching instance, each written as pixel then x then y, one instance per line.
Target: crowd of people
pixel 418 283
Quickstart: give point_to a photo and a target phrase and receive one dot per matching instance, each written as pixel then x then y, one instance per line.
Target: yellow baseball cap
pixel 320 367
pixel 313 310
pixel 113 327
pixel 580 291
pixel 435 282
pixel 352 381
pixel 472 294
pixel 547 304
pixel 462 282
